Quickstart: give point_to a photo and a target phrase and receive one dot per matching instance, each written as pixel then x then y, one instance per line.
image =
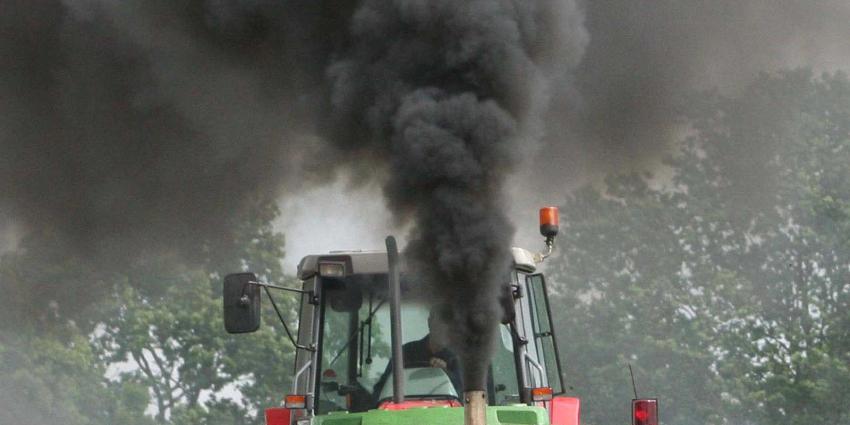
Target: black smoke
pixel 134 129
pixel 131 129
pixel 644 58
pixel 444 92
pixel 143 125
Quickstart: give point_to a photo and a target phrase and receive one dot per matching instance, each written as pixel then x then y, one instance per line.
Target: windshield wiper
pixel 362 325
pixel 368 336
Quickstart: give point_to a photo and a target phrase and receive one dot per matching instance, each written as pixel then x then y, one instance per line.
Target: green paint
pixel 496 415
pixel 517 417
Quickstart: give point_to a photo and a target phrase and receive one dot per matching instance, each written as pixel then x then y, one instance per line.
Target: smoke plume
pixel 444 92
pixel 132 130
pixel 135 129
pixel 143 128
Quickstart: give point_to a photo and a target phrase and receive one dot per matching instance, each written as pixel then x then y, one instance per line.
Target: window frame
pixel 535 326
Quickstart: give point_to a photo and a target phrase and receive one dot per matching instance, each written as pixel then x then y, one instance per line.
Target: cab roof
pixel 375 262
pixel 356 262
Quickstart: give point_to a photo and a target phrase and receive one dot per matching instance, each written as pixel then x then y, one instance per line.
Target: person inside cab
pixel 430 351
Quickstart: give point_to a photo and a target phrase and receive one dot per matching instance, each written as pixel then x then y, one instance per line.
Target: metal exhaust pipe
pixel 475 409
pixel 395 320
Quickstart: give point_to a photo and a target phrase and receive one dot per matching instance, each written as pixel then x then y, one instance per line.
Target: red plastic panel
pixel 565 411
pixel 278 416
pixel 409 404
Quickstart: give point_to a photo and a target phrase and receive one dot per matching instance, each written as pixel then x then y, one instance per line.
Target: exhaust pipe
pixel 475 409
pixel 395 320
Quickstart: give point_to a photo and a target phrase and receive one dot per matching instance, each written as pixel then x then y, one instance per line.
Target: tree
pixel 173 341
pixel 726 285
pixel 619 273
pixel 789 191
pixel 87 344
pixel 55 378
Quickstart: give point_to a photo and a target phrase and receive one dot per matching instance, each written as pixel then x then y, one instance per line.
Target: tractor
pixel 357 318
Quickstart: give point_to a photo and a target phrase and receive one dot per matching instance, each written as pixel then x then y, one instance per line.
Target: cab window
pixel 504 386
pixel 545 345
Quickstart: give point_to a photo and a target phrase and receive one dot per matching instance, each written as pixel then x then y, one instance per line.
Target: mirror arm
pixel 313 298
pixel 280 316
pixel 282 288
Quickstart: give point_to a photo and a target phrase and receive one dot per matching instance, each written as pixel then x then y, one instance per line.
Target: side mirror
pixel 241 303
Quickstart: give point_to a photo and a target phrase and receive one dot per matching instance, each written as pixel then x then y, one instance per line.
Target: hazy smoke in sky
pixel 131 130
pixel 644 57
pixel 129 125
pixel 142 128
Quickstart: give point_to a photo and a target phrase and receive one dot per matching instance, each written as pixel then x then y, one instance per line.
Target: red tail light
pixel 645 412
pixel 549 221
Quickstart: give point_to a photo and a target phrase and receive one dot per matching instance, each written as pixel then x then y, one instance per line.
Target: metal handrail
pixel 298 374
pixel 536 365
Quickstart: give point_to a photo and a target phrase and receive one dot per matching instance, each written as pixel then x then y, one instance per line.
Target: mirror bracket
pixel 242 304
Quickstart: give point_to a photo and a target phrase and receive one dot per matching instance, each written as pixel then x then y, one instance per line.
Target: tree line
pixel 150 348
pixel 723 279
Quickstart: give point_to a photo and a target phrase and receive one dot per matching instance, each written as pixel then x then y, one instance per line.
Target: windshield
pixel 355 373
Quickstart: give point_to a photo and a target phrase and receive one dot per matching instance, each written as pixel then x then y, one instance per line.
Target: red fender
pixel 278 416
pixel 564 411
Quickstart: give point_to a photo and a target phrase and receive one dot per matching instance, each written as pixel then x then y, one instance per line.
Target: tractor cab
pixel 350 368
pixel 359 311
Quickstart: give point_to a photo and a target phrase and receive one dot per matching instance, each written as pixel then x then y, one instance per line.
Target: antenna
pixel 632 373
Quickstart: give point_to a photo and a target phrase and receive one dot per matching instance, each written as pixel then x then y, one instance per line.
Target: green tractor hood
pixel 496 415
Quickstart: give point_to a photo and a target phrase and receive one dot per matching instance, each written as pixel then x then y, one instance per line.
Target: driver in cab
pixel 430 351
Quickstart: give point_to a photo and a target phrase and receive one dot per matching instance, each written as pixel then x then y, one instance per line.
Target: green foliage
pixel 152 348
pixel 56 378
pixel 726 286
pixel 173 340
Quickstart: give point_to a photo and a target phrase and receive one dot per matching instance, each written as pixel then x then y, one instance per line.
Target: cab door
pixel 542 346
pixel 304 374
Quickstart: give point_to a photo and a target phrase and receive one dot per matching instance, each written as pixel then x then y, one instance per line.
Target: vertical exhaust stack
pixel 395 320
pixel 475 409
